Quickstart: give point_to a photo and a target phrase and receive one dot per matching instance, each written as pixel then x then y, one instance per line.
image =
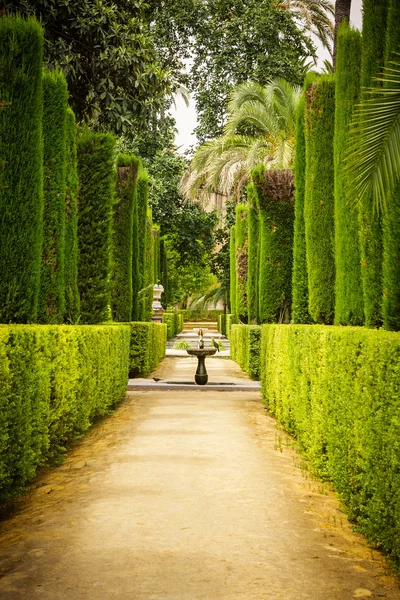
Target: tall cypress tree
pixel 72 302
pixel 372 61
pixel 232 263
pixel 52 283
pixel 142 232
pixel 253 255
pixel 21 156
pixel 300 312
pixel 123 213
pixel 241 257
pixel 349 306
pixel 319 197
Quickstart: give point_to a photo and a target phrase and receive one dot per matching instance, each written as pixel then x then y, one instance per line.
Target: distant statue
pixel 200 343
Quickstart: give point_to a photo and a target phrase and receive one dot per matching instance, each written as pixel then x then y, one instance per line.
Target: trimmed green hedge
pixel 253 255
pixel 56 380
pixel 230 320
pixel 143 238
pixel 245 348
pixel 222 323
pixel 72 300
pixel 96 191
pixel 233 275
pixel 52 285
pixel 147 349
pixel 174 321
pixel 241 258
pixel 337 390
pixel 123 218
pixel 146 296
pixel 21 159
pixel 319 196
pixel 201 315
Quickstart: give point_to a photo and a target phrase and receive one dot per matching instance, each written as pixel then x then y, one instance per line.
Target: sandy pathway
pixel 184 496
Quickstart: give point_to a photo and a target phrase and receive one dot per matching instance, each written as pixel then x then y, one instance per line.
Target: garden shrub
pixel 194 315
pixel 21 178
pixel 143 238
pixel 55 381
pixel 123 218
pixel 276 209
pixel 337 391
pixel 300 313
pixel 232 263
pixel 319 196
pixel 52 284
pixel 96 190
pixel 241 258
pixel 349 306
pixel 174 322
pixel 245 348
pixel 253 255
pixel 222 324
pixel 72 301
pixel 147 349
pixel 230 320
pixel 370 223
pixel 146 294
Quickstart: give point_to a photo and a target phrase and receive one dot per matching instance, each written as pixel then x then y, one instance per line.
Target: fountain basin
pixel 201 376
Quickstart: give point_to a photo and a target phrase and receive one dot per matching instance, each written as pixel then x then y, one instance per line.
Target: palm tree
pixel 373 159
pixel 342 11
pixel 260 129
pixel 316 16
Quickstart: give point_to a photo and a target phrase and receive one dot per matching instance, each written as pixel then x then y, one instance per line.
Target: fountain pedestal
pixel 201 376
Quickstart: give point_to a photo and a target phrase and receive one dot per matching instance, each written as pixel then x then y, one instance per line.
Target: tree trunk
pixel 342 11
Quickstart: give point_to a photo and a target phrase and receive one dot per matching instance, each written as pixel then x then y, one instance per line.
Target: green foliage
pixel 170 319
pixel 72 300
pixel 146 293
pixel 222 323
pixel 142 206
pixel 233 274
pixel 96 190
pixel 349 309
pixel 230 320
pixel 253 255
pixel 245 348
pixel 300 312
pixel 276 209
pixel 181 345
pixel 21 179
pixel 147 347
pixel 56 380
pixel 194 315
pixel 52 285
pixel 123 218
pixel 337 389
pixel 241 256
pixel 319 197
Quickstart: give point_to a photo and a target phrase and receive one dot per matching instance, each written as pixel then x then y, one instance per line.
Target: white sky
pixel 185 116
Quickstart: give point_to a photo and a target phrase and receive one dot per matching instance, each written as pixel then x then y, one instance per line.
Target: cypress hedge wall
pixel 164 272
pixel 124 204
pixel 156 252
pixel 241 257
pixel 253 255
pixel 232 294
pixel 349 306
pixel 319 197
pixel 21 179
pixel 147 349
pixel 146 293
pixel 245 342
pixel 56 380
pixel 372 60
pixel 300 313
pixel 276 209
pixel 52 284
pixel 337 390
pixel 135 258
pixel 72 301
pixel 96 190
pixel 391 217
pixel 143 248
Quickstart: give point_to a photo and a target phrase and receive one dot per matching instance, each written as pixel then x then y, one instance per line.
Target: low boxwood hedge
pixel 337 390
pixel 147 349
pixel 245 348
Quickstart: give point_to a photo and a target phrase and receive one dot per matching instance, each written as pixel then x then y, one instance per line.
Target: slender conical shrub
pixel 232 285
pixel 21 159
pixel 124 204
pixel 349 305
pixel 52 282
pixel 300 312
pixel 372 61
pixel 391 217
pixel 96 191
pixel 142 207
pixel 276 208
pixel 146 295
pixel 241 254
pixel 319 197
pixel 156 247
pixel 164 273
pixel 72 302
pixel 253 255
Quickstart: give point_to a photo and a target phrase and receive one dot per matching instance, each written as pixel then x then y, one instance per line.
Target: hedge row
pixel 241 259
pixel 245 348
pixel 174 322
pixel 201 315
pixel 222 323
pixel 55 381
pixel 148 344
pixel 233 274
pixel 253 254
pixel 337 391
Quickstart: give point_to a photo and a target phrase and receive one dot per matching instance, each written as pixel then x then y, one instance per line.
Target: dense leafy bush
pixel 96 189
pixel 21 155
pixel 319 197
pixel 52 284
pixel 148 343
pixel 123 219
pixel 55 381
pixel 337 390
pixel 253 255
pixel 72 301
pixel 349 306
pixel 245 348
pixel 241 258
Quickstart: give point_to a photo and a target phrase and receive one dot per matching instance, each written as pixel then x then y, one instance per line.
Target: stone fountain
pixel 201 376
